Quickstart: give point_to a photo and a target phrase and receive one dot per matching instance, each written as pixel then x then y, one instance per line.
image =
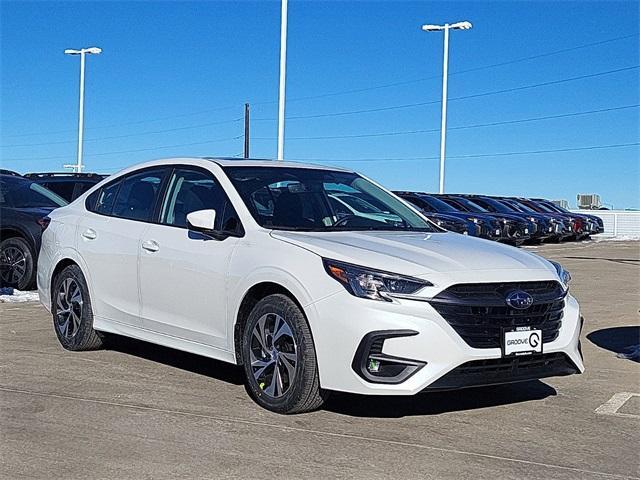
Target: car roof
pixel 257 162
pixel 65 175
pixel 14 178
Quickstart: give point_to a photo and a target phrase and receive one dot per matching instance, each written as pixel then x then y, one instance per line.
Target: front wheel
pixel 279 357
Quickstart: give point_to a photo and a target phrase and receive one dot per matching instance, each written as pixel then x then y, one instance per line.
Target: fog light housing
pixel 376 367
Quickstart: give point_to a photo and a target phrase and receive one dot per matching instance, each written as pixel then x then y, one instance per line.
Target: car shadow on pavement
pixel 434 403
pixel 178 359
pixel 623 341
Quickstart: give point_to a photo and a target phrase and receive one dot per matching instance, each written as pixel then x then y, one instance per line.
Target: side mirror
pixel 202 220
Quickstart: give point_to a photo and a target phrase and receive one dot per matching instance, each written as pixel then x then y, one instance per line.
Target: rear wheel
pixel 71 309
pixel 17 266
pixel 279 357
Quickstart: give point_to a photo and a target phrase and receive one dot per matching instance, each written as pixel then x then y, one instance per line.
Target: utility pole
pixel 283 77
pixel 246 130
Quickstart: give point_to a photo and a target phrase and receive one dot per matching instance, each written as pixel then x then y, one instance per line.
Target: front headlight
pixel 564 275
pixel 476 220
pixel 532 219
pixel 373 284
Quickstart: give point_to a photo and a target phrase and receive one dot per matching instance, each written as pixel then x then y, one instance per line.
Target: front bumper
pixel 432 346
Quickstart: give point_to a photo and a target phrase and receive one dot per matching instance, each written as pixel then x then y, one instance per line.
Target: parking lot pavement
pixel 142 411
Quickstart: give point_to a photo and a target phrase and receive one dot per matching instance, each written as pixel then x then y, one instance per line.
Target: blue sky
pixel 173 78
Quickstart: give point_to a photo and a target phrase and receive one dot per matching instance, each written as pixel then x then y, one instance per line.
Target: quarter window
pixel 106 198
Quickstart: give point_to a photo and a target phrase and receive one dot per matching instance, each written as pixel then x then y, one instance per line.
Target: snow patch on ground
pixel 19 297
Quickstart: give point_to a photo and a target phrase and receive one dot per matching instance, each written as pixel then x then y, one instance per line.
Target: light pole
pixel 445 72
pixel 82 52
pixel 283 77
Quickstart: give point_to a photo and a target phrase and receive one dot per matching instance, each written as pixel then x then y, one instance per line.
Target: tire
pixel 282 334
pixel 17 264
pixel 71 311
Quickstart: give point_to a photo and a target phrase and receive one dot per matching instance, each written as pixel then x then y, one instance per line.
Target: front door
pixel 183 272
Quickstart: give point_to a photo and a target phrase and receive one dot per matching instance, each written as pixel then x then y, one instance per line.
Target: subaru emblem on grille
pixel 519 299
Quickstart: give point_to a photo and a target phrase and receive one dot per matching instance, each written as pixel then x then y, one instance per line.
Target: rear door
pixel 109 241
pixel 183 272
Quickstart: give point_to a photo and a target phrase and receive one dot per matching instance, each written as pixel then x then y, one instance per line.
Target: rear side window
pixel 105 199
pixel 137 195
pixel 64 189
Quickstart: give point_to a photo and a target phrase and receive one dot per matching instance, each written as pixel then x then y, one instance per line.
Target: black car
pixel 478 225
pixel 577 222
pixel 515 229
pixel 544 227
pixel 24 206
pixel 594 224
pixel 567 224
pixel 67 185
pixel 450 223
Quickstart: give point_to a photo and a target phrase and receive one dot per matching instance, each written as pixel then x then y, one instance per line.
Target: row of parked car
pixel 511 220
pixel 26 200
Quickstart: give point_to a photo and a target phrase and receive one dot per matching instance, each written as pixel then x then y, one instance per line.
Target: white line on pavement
pixel 611 406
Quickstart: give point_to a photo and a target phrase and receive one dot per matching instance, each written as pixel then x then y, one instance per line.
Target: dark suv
pixel 544 227
pixel 24 206
pixel 515 229
pixel 67 185
pixel 478 224
pixel 594 224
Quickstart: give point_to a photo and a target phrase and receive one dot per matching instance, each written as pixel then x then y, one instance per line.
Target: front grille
pixel 479 313
pixel 514 229
pixel 505 370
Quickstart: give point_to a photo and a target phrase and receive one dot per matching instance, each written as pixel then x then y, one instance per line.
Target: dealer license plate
pixel 522 342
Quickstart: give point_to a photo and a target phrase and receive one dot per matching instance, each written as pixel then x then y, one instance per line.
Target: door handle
pixel 89 234
pixel 150 245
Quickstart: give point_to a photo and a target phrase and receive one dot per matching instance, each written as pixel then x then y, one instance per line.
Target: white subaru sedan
pixel 250 262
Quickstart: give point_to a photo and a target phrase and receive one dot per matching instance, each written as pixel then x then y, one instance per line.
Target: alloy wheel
pixel 273 355
pixel 69 305
pixel 13 265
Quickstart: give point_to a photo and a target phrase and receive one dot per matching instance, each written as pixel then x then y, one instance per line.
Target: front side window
pixel 320 200
pixel 190 191
pixel 137 195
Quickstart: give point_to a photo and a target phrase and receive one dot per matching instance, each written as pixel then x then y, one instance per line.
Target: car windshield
pixel 19 192
pixel 496 206
pixel 554 207
pixel 357 203
pixel 521 207
pixel 471 206
pixel 438 204
pixel 307 199
pixel 545 208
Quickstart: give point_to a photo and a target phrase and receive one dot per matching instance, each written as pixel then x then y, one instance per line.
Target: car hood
pixel 448 218
pixel 415 253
